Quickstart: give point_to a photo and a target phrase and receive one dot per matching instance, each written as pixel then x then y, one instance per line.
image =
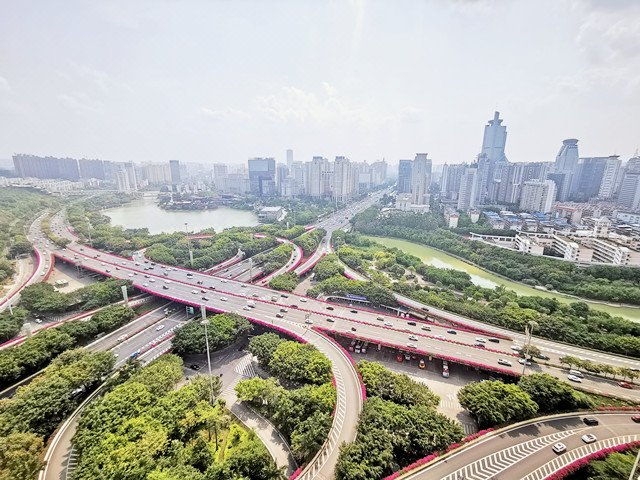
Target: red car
pixel 625 385
pixel 636 418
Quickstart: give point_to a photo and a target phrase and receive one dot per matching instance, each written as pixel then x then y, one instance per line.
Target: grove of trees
pixel 222 329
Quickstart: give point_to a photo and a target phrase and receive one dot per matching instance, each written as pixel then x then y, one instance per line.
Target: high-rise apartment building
pixel 46 167
pixel 220 173
pixel 467 194
pixel 420 179
pixel 343 180
pixel 404 176
pixel 91 169
pixel 156 173
pixel 317 177
pixel 450 180
pixel 289 158
pixel 611 178
pixel 262 176
pixel 629 196
pixel 378 173
pixel 282 172
pixel 538 196
pixel 174 168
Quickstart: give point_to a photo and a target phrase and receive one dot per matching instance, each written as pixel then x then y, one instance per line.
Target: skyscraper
pixel 468 188
pixel 174 167
pixel 629 196
pixel 262 176
pixel 610 178
pixel 289 158
pixel 404 176
pixel 46 167
pixel 450 180
pixel 565 167
pixel 588 178
pixel 282 172
pixel 343 180
pixel 420 179
pixel 491 160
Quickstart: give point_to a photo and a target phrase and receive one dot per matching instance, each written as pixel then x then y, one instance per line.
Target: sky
pixel 221 81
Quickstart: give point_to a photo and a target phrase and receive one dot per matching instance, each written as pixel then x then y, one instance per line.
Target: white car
pixel 246 308
pixel 388 324
pixel 303 300
pixel 131 274
pixel 159 327
pixel 573 378
pixel 122 337
pixel 224 280
pixel 152 280
pixel 308 320
pixel 440 337
pixel 412 345
pixel 522 361
pixel 589 438
pixel 102 263
pixel 194 291
pixel 480 340
pixel 413 337
pixel 124 263
pixel 243 285
pixel 559 447
pixel 224 299
pixel 145 284
pixel 516 348
pixel 502 361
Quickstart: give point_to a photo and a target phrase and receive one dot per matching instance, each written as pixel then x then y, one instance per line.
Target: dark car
pixel 329 308
pixel 195 367
pixel 543 357
pixel 591 421
pixel 354 311
pixel 284 295
pixel 411 323
pixel 164 287
pixel 494 339
pixel 452 332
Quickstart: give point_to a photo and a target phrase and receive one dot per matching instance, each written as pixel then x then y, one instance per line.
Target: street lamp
pixel 186 229
pixel 528 332
pixel 206 337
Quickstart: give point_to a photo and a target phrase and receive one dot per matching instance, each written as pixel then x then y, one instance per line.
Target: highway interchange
pixel 296 314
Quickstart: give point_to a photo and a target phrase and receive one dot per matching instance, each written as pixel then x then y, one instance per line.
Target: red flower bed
pixel 295 474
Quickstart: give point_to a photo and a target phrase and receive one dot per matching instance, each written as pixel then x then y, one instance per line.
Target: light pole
pixel 186 229
pixel 528 331
pixel 89 231
pixel 206 338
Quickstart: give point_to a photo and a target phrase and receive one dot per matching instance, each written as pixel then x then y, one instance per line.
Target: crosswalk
pixel 571 456
pixel 491 465
pixel 450 402
pixel 245 367
pixel 72 463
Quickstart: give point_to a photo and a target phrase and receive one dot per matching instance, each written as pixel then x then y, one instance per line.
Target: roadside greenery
pixel 37 351
pixel 615 466
pixel 10 324
pixel 309 241
pixel 302 412
pixel 145 428
pixel 222 330
pixel 327 267
pixel 287 282
pixel 494 403
pixel 599 368
pixel 341 286
pixel 599 282
pixel 396 431
pixel 18 208
pixel 275 259
pixel 35 410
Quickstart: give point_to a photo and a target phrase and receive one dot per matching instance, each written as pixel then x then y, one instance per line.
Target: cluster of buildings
pixel 414 180
pixel 340 180
pixel 595 241
pixel 536 186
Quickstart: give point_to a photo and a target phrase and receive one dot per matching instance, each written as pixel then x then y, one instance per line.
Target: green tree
pixel 550 393
pixel 300 363
pixel 263 346
pixel 495 403
pixel 20 456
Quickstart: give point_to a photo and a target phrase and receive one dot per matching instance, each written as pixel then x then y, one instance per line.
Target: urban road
pixel 296 314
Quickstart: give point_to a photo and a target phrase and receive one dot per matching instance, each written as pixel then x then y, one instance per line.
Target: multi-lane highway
pixel 526 452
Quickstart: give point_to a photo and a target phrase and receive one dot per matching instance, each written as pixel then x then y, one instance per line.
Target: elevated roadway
pixel 525 451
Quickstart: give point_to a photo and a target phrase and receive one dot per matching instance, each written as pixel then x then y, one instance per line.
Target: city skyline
pixel 158 94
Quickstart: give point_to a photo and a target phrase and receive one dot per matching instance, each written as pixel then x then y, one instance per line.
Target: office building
pixel 491 160
pixel 588 178
pixel 563 170
pixel 174 168
pixel 420 179
pixel 289 158
pixel 378 173
pixel 262 176
pixel 538 196
pixel 404 176
pixel 282 172
pixel 629 196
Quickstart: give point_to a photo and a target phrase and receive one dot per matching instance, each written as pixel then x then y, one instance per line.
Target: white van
pixel 576 373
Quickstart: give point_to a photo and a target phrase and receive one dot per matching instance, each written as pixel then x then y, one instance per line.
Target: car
pixel 480 340
pixel 506 363
pixel 224 299
pixel 146 276
pixel 589 438
pixel 413 324
pixel 212 287
pixel 246 308
pixel 284 310
pixel 195 367
pixel 573 378
pixel 199 282
pixel 189 275
pixel 293 305
pixel 329 319
pixel 159 327
pixel 452 331
pixel 516 348
pixel 164 287
pixel 303 300
pixel 124 263
pixel 625 385
pixel 522 361
pixel 329 308
pixel 224 280
pixel 353 311
pixel 102 263
pixel 353 329
pixel 108 271
pixel 37 320
pixel 308 320
pixel 479 345
pixel 380 318
pixel 152 280
pixel 440 337
pixel 131 274
pixel 284 295
pixel 194 291
pixel 117 268
pixel 591 421
pixel 145 284
pixel 167 281
pixel 279 315
pixel 422 365
pixel 413 337
pixel 494 339
pixel 576 373
pixel 388 324
pixel 412 345
pixel 255 295
pixel 426 328
pixel 559 447
pixel 636 418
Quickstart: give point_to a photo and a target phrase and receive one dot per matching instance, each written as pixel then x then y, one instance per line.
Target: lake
pixel 145 213
pixel 484 278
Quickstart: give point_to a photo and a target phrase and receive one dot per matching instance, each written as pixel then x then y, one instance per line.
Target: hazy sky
pixel 221 81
